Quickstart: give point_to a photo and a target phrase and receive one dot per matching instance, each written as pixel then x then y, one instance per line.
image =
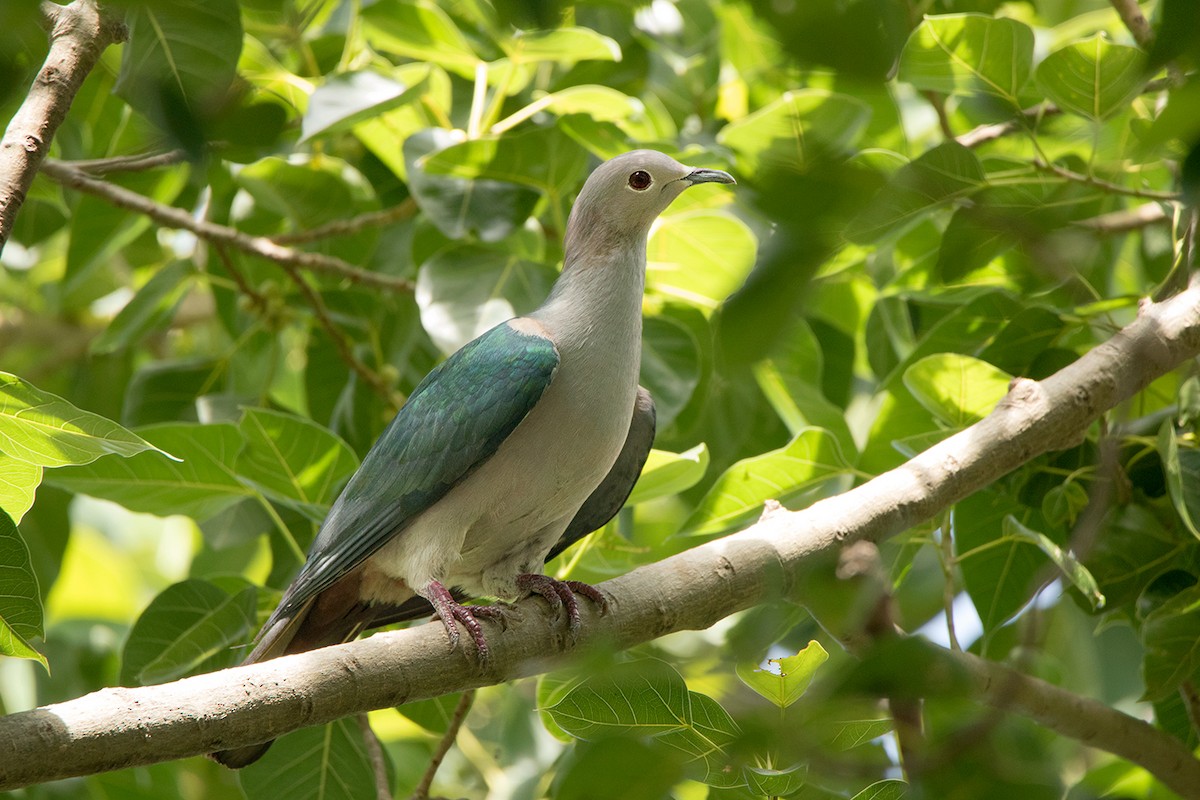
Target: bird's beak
pixel 708 176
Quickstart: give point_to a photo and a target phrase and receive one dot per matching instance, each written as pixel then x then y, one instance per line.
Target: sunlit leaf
pixel 667 473
pixel 1093 78
pixel 784 684
pixel 40 428
pixel 967 53
pixel 800 127
pixel 18 483
pixel 421 30
pixel 201 484
pixel 566 45
pixel 776 782
pixel 884 790
pixel 739 494
pixel 959 390
pixel 855 733
pixel 699 257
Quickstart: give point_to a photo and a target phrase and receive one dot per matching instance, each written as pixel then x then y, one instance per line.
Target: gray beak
pixel 708 176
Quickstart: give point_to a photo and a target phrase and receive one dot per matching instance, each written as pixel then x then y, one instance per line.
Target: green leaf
pixel 776 782
pixel 166 391
pixel 959 390
pixel 187 49
pixel 797 129
pixel 563 45
pixel 785 686
pixel 460 207
pixel 969 53
pixel 1182 468
pixel 293 460
pixel 18 484
pixel 670 366
pixel 699 257
pixel 201 485
pixel 945 173
pixel 1132 549
pixel 543 158
pixel 1000 572
pixel 644 697
pixel 184 627
pixel 738 495
pixel 857 732
pixel 20 601
pixel 465 291
pixel 668 473
pixel 345 100
pixel 328 762
pixel 308 193
pixel 151 307
pixel 434 714
pixel 1066 562
pixel 1171 637
pixel 706 739
pixel 420 30
pixel 43 429
pixel 599 103
pixel 1093 78
pixel 883 790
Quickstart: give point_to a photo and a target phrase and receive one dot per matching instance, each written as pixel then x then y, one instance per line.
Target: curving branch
pixel 121 727
pixel 260 246
pixel 79 33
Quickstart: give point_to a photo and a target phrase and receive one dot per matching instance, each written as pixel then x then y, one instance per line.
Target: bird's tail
pixel 309 627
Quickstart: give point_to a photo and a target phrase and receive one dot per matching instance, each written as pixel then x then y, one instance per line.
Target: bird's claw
pixel 561 595
pixel 453 613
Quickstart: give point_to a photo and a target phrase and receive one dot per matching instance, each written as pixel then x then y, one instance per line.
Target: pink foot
pixel 452 614
pixel 561 594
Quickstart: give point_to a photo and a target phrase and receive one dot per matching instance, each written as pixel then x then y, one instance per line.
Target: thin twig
pixel 342 227
pixel 259 246
pixel 938 101
pixel 1126 219
pixel 79 33
pixel 1108 186
pixel 340 341
pixel 383 790
pixel 259 299
pixel 456 722
pixel 142 163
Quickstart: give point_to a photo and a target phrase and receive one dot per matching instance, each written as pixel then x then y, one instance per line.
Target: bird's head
pixel 624 195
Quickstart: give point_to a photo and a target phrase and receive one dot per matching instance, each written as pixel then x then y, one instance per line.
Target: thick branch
pixel 122 727
pixel 79 33
pixel 259 246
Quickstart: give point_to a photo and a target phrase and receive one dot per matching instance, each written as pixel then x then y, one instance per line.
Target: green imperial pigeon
pixel 523 441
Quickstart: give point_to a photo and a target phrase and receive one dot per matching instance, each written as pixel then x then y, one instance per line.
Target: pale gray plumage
pixel 510 449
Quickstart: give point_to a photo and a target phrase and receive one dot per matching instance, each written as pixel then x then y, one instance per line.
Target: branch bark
pixel 79 32
pixel 121 727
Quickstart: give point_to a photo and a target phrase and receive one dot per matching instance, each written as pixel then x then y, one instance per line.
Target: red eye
pixel 640 180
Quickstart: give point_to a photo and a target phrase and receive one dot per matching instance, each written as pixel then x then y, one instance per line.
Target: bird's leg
pixel 561 594
pixel 452 613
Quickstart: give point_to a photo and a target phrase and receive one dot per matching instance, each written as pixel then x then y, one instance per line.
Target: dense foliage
pixel 930 202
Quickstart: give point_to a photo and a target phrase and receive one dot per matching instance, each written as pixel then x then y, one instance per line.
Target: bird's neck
pixel 598 298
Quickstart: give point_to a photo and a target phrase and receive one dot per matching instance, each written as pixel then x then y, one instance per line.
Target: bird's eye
pixel 640 180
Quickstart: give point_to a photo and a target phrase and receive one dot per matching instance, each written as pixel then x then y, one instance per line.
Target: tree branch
pixel 79 32
pixel 121 727
pixel 260 246
pixel 1108 186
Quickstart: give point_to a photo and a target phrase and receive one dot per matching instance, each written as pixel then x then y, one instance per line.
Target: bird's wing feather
pixel 453 421
pixel 609 497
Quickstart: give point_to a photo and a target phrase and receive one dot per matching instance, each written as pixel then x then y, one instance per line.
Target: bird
pixel 520 443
